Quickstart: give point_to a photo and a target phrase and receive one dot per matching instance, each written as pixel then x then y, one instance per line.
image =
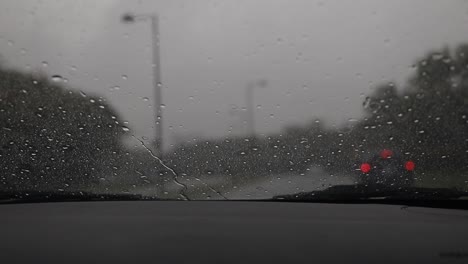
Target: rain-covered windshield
pixel 233 99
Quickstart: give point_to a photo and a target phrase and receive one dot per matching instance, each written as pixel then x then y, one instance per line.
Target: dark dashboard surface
pixel 230 232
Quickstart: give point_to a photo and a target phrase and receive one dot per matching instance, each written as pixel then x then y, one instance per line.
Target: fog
pixel 320 58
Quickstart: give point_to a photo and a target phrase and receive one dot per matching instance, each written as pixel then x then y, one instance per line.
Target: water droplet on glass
pixel 126 129
pixel 366 102
pixel 146 99
pixel 124 77
pixel 57 78
pixel 437 56
pixel 45 64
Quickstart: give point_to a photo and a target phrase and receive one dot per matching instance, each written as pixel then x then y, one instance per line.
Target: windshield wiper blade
pixel 411 196
pixel 41 197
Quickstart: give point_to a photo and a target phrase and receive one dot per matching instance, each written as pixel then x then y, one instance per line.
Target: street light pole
pixel 250 118
pixel 157 84
pixel 249 94
pixel 156 67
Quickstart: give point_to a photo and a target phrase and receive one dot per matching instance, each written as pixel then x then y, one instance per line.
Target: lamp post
pixel 129 18
pixel 250 115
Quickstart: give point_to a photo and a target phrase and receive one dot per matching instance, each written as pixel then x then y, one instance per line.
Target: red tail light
pixel 365 167
pixel 386 153
pixel 409 165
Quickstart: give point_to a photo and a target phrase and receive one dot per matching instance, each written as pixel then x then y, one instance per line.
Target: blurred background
pixel 229 99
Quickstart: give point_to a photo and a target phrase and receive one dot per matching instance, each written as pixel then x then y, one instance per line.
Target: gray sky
pixel 320 57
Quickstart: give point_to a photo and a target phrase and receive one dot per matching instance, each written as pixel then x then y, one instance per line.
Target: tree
pixel 427 119
pixel 54 138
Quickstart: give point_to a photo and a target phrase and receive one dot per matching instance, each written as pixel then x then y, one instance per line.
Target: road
pixel 220 187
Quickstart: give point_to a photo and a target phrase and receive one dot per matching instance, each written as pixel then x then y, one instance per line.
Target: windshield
pixel 233 99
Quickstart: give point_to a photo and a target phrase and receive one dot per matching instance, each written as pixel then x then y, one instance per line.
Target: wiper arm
pixel 411 196
pixel 41 197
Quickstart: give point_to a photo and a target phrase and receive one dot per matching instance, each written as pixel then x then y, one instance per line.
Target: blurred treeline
pixel 425 121
pixel 54 138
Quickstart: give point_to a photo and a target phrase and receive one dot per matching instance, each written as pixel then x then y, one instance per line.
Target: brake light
pixel 365 167
pixel 386 153
pixel 409 165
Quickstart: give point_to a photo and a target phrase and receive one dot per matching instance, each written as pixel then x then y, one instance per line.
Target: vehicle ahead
pixel 387 171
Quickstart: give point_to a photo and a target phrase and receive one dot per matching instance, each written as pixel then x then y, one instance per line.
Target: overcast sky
pixel 320 57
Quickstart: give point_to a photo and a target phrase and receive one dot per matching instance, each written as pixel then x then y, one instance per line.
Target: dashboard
pixel 230 232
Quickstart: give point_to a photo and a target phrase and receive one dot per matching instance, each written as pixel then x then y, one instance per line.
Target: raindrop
pixel 124 77
pixel 437 56
pixel 146 99
pixel 83 94
pixel 57 78
pixel 162 106
pixel 366 102
pixel 126 129
pixel 45 64
pixel 92 101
